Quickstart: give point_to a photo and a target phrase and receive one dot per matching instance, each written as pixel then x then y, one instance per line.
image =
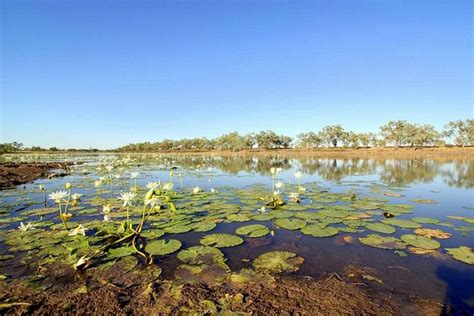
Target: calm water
pixel 450 182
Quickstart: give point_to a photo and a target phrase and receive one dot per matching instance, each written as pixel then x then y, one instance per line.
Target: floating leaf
pixel 221 240
pixel 162 247
pixel 381 228
pixel 238 217
pixel 121 252
pixel 256 230
pixel 278 261
pixel 401 223
pixel 290 223
pixel 423 201
pixel 382 242
pixel 319 230
pixel 204 226
pixel 420 241
pixel 463 253
pixel 427 232
pixel 197 255
pixel 425 220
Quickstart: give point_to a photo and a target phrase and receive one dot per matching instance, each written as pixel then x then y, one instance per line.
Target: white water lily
pixel 118 176
pixel 276 193
pixel 152 185
pixel 79 230
pixel 58 196
pixel 107 208
pixel 68 185
pixel 109 168
pixel 152 201
pixel 294 195
pixel 272 170
pixel 107 218
pixel 278 185
pixel 196 190
pixel 262 209
pixel 302 189
pixel 76 197
pixel 168 186
pixel 134 175
pixel 97 183
pixel 127 198
pixel 24 227
pixel 41 188
pixel 80 262
pixel 298 174
pixel 213 190
pixel 278 170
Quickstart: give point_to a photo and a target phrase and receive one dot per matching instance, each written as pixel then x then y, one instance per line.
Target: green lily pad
pixel 121 252
pixel 382 242
pixel 178 229
pixel 425 220
pixel 263 217
pixel 204 226
pixel 401 223
pixel 238 217
pixel 290 223
pixel 162 247
pixel 320 230
pixel 197 255
pixel 420 241
pixel 423 201
pixel 463 253
pixel 381 228
pixel 221 240
pixel 278 261
pixel 256 230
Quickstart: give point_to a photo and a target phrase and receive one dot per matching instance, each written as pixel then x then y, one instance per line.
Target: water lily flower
pixel 298 174
pixel 97 183
pixel 109 168
pixel 107 218
pixel 82 261
pixel 276 193
pixel 302 189
pixel 152 201
pixel 272 170
pixel 168 186
pixel 107 208
pixel 213 190
pixel 79 230
pixel 58 196
pixel 196 190
pixel 262 209
pixel 117 176
pixel 127 198
pixel 76 196
pixel 152 185
pixel 24 227
pixel 278 170
pixel 66 216
pixel 41 188
pixel 68 185
pixel 278 185
pixel 134 175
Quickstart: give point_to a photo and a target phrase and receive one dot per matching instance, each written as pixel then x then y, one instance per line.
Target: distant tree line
pixel 394 134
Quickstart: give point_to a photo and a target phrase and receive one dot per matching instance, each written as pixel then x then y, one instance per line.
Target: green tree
pixel 461 132
pixel 332 134
pixel 309 140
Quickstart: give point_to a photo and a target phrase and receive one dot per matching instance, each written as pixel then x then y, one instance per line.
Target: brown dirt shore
pixel 118 292
pixel 13 174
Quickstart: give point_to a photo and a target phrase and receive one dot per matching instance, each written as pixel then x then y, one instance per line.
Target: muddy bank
pixel 13 174
pixel 119 292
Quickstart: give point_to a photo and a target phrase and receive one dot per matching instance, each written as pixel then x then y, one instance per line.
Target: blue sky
pixel 106 73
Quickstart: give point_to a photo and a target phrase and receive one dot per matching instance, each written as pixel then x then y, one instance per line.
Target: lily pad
pixel 197 255
pixel 320 230
pixel 436 233
pixel 256 230
pixel 381 228
pixel 382 242
pixel 162 247
pixel 420 241
pixel 463 253
pixel 425 220
pixel 423 201
pixel 121 252
pixel 278 261
pixel 290 223
pixel 221 240
pixel 401 223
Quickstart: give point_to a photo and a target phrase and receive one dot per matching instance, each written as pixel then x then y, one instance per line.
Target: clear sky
pixel 106 73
